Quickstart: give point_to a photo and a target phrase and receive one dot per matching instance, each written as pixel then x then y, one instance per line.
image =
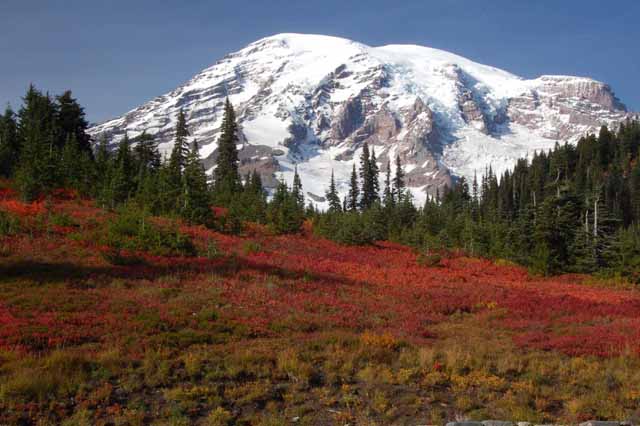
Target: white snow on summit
pixel 313 100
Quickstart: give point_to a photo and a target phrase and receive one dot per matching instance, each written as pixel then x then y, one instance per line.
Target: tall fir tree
pixel 121 175
pixel 226 176
pixel 253 202
pixel 375 177
pixel 296 188
pixel 352 200
pixel 195 206
pixel 9 146
pixel 398 181
pixel 146 156
pixel 285 213
pixel 71 122
pixel 179 152
pixel 71 171
pixel 388 198
pixel 332 196
pixel 366 199
pixel 37 133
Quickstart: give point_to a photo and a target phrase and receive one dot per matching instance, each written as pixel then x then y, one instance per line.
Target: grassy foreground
pixel 180 325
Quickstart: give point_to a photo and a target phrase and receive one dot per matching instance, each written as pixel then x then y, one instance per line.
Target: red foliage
pixel 22 209
pixel 65 194
pixel 6 193
pixel 219 211
pixel 305 284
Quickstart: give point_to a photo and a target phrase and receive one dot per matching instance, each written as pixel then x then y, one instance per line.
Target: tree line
pixel 575 208
pixel 46 146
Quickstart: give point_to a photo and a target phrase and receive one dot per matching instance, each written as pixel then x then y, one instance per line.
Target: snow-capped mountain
pixel 312 101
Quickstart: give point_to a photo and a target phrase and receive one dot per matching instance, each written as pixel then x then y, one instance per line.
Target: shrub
pixel 379 341
pixel 82 417
pixel 121 258
pixel 429 259
pixel 132 230
pixel 9 224
pixel 60 374
pixel 298 371
pixel 347 228
pixel 61 219
pixel 219 417
pixel 251 247
pixel 212 251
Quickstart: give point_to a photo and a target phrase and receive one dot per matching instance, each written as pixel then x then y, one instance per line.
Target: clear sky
pixel 116 54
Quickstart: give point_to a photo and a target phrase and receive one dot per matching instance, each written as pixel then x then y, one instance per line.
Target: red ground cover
pixel 304 284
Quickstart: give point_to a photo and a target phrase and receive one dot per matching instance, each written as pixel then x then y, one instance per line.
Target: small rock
pixel 599 423
pixel 465 424
pixel 496 423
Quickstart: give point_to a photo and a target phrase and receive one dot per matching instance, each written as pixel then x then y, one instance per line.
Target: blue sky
pixel 117 54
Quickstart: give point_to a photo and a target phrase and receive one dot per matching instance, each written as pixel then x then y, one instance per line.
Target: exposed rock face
pixel 564 105
pixel 315 100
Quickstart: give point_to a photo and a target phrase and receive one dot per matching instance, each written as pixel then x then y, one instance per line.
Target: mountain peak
pixel 313 100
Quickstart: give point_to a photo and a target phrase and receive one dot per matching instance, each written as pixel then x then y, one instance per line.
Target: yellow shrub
pixel 375 375
pixel 379 341
pixel 192 363
pixel 379 402
pixel 218 417
pixel 478 379
pixel 290 364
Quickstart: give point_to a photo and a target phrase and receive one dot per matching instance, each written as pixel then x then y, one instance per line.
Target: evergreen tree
pixel 9 146
pixel 102 168
pixel 351 202
pixel 147 162
pixel 226 177
pixel 178 157
pixel 369 174
pixel 121 175
pixel 102 156
pixel 388 198
pixel 255 184
pixel 375 178
pixel 252 204
pixel 71 170
pixel 285 215
pixel 398 181
pixel 195 207
pixel 296 188
pixel 366 200
pixel 146 154
pixel 71 122
pixel 37 134
pixel 332 196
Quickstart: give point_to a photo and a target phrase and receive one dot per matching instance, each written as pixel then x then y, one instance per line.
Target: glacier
pixel 311 101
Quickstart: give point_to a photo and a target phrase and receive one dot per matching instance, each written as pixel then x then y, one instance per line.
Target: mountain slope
pixel 314 100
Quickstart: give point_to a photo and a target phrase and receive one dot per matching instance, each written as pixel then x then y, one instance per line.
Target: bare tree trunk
pixel 586 222
pixel 557 183
pixel 595 216
pixel 535 208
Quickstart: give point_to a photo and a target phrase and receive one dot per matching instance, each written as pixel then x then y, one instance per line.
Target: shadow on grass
pixel 46 272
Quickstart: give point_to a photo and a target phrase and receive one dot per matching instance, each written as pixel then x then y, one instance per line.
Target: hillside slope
pixel 265 330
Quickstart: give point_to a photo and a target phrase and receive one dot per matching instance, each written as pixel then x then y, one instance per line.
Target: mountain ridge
pixel 312 101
